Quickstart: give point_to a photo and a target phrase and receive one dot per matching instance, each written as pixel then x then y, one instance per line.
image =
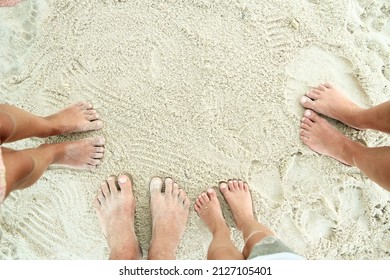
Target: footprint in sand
pixel 266 181
pixel 18 27
pixel 315 220
pixel 334 69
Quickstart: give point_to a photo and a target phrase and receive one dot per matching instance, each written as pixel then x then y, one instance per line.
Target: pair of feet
pixel 317 133
pixel 115 207
pixel 83 154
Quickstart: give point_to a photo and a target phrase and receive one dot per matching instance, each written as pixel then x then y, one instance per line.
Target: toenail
pixel 122 179
pixel 210 190
pixel 304 99
pixel 303 119
pixel 307 113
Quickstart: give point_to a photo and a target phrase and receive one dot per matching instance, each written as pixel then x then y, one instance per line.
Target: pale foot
pixel 170 212
pixel 238 197
pixel 329 101
pixel 78 117
pixel 82 154
pixel 209 210
pixel 2 178
pixel 9 3
pixel 320 136
pixel 115 209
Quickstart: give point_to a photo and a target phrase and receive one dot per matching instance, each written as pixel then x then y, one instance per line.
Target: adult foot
pixel 83 154
pixel 329 101
pixel 238 197
pixel 78 117
pixel 320 136
pixel 209 210
pixel 170 211
pixel 115 209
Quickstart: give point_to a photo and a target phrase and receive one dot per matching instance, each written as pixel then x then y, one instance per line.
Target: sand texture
pixel 202 91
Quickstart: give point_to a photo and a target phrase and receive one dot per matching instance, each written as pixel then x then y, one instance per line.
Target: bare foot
pixel 9 3
pixel 238 196
pixel 320 136
pixel 2 178
pixel 329 101
pixel 169 217
pixel 209 210
pixel 83 154
pixel 78 117
pixel 115 209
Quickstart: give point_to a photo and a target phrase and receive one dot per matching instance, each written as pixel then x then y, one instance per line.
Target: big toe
pixel 125 183
pixel 224 188
pixel 155 185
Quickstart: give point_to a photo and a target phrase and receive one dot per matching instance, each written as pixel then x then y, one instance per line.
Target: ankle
pixel 349 150
pixel 359 118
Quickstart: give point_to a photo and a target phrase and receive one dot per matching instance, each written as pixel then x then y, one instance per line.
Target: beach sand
pixel 202 91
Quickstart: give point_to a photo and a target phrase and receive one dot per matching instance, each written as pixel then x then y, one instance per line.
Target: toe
pixel 304 133
pixel 98 141
pixel 205 197
pixel 307 121
pixel 311 115
pixel 155 185
pixel 312 94
pixel 246 187
pixel 307 102
pixel 100 197
pixel 98 149
pixel 305 126
pixel 240 184
pixel 321 87
pixel 92 117
pixel 168 185
pixel 96 204
pixel 97 155
pixel 223 187
pixel 111 182
pixel 175 190
pixel 235 184
pixel 105 188
pixel 125 184
pixel 211 194
pixel 95 125
pixel 94 162
pixel 328 85
pixel 182 195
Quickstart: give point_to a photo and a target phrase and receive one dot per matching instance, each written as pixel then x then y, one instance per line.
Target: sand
pixel 202 91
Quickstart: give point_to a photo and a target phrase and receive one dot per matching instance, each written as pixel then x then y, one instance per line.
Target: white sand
pixel 203 91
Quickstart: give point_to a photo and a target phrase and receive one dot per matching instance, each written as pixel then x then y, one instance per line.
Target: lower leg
pixel 20 124
pixel 239 198
pixel 170 212
pixel 377 117
pixel 115 209
pixel 209 210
